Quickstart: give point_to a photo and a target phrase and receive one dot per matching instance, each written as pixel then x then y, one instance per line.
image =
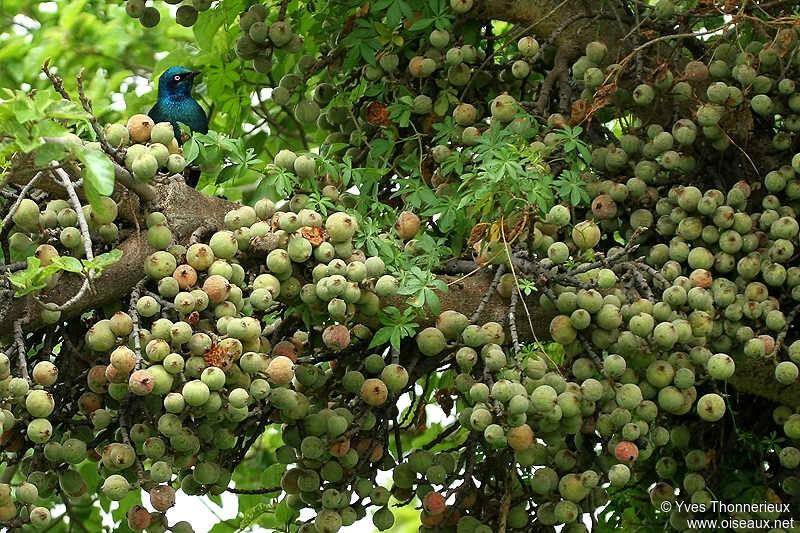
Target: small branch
pixel 142 190
pixel 658 277
pixel 10 525
pixel 134 314
pixel 19 337
pixel 6 221
pixel 71 511
pixel 505 505
pixel 98 131
pixel 22 194
pixel 55 79
pixel 202 232
pixel 76 205
pixel 452 428
pixel 13 267
pixel 590 350
pixel 123 427
pixel 487 295
pixel 512 323
pixel 397 442
pixel 264 490
pixel 782 335
pixel 284 7
pixel 69 303
pixel 121 174
pixel 165 304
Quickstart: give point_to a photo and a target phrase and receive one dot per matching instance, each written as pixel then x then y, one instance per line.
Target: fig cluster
pixel 149 148
pixel 179 379
pixel 149 16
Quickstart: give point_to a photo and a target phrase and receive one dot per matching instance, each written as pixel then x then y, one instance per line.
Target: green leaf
pixel 98 176
pixel 556 352
pixel 381 336
pixel 206 27
pixel 421 24
pixel 190 150
pixel 108 258
pixel 273 474
pixel 283 513
pixel 49 152
pixel 69 263
pixel 433 301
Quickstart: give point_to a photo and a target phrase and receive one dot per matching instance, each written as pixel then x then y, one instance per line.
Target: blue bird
pixel 175 103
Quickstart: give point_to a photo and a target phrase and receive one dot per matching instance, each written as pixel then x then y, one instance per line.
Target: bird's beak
pixel 193 74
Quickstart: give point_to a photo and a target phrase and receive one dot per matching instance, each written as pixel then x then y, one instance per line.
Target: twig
pixel 263 490
pixel 70 511
pixel 505 505
pixel 201 232
pixel 10 525
pixel 123 427
pixel 512 323
pixel 641 283
pixel 782 335
pixel 76 205
pixel 142 190
pixel 7 219
pixel 590 350
pixel 487 295
pixel 657 276
pixel 55 79
pixel 98 131
pixel 622 64
pixel 22 194
pixel 500 48
pixel 137 343
pixel 452 428
pixel 397 442
pixel 50 306
pixel 121 174
pixel 165 304
pixel 19 337
pixel 13 267
pixel 284 7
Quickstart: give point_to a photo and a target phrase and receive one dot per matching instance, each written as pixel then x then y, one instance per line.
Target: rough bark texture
pixel 187 209
pixel 569 24
pixel 23 169
pixel 466 293
pixel 575 22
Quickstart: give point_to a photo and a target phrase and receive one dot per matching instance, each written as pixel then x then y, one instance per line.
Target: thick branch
pixel 546 18
pixel 185 208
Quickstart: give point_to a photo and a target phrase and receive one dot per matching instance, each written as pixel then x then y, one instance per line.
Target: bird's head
pixel 177 80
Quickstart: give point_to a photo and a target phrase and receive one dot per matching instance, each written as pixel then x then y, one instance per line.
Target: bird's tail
pixel 191 176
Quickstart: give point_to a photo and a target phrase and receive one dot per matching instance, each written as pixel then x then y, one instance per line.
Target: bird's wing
pixel 199 119
pixel 157 113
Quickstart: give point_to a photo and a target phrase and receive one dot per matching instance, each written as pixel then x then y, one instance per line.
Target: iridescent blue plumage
pixel 175 103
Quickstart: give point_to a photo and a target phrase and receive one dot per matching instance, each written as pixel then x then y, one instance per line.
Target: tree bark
pixel 570 24
pixel 185 208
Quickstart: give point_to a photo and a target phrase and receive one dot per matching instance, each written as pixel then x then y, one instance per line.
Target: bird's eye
pixel 177 77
